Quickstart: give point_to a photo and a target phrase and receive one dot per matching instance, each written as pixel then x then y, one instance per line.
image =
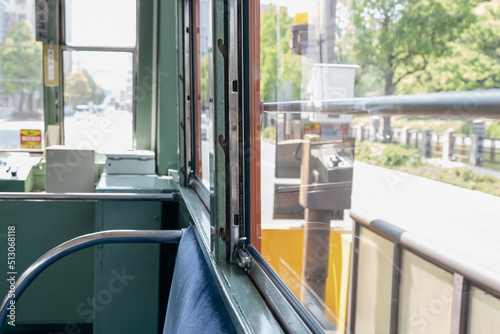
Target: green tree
pixel 21 63
pixel 472 61
pixel 281 74
pixel 396 39
pixel 97 94
pixel 204 80
pixel 345 33
pixel 76 88
pixel 80 88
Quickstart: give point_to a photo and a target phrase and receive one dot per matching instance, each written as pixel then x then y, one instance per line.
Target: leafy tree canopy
pixel 472 61
pixel 80 88
pixel 281 74
pixel 97 94
pixel 398 38
pixel 20 59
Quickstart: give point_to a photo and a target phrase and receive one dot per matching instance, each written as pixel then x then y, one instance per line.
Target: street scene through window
pixel 385 109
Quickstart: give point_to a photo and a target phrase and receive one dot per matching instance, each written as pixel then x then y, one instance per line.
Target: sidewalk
pixel 455 164
pixel 445 163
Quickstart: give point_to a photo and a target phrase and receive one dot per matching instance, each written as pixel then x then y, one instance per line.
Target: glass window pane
pixel 374 283
pixel 204 96
pixel 98 100
pixel 110 23
pixel 425 296
pixel 483 312
pixel 305 182
pixel 411 170
pixel 21 81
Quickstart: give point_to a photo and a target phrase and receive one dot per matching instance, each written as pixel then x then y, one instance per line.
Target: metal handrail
pixel 79 243
pixel 483 103
pixel 474 272
pixel 26 196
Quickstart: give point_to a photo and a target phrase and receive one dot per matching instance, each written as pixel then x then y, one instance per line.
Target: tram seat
pixel 194 305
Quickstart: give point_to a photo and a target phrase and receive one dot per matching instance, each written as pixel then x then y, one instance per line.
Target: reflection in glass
pixel 98 100
pixel 110 23
pixel 21 86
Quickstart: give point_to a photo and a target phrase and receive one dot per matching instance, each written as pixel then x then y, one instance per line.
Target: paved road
pixel 110 132
pixel 463 221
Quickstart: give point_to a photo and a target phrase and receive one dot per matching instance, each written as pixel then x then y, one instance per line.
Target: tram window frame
pixel 293 315
pixel 65 47
pixel 193 110
pixel 218 218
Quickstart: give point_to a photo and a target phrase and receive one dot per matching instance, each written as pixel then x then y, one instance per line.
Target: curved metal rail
pixel 81 242
pixel 473 271
pixel 466 272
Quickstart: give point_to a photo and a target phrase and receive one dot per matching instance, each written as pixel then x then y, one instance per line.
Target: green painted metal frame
pixel 246 307
pixel 146 76
pixel 218 200
pixel 168 80
pixel 50 96
pixel 150 80
pixel 181 109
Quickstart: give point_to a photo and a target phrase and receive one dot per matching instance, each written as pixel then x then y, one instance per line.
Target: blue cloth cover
pixel 194 305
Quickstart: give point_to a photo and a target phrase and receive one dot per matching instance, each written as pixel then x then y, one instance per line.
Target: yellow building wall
pixel 282 249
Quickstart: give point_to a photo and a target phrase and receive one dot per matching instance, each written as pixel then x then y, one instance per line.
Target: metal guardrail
pixel 10 196
pixel 492 150
pixel 481 275
pixel 485 103
pixel 460 146
pixel 79 243
pixel 465 271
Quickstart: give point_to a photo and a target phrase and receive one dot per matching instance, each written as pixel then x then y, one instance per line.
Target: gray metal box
pixel 131 162
pixel 69 170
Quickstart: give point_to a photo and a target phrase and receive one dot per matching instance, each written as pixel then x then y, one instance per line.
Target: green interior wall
pixel 159 115
pixel 55 295
pixel 139 263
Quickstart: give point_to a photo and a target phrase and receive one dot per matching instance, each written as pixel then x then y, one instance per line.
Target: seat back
pixel 194 305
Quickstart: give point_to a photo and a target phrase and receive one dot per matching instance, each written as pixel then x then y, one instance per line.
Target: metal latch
pixel 242 256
